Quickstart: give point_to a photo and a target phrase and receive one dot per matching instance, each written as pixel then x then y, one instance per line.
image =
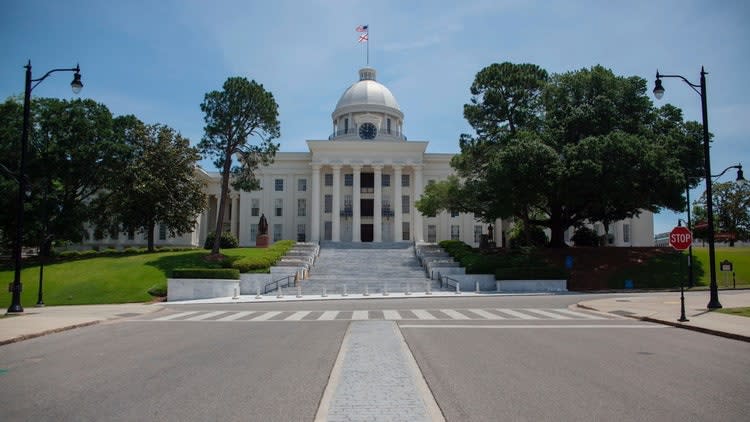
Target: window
pixel 626 233
pixel 348 205
pixel 405 204
pixel 477 234
pixel 328 179
pixel 300 232
pixel 454 213
pixel 405 231
pixel 327 203
pixel 279 185
pixel 277 230
pixel 431 233
pixel 405 180
pixel 255 207
pixel 367 207
pixel 253 232
pixel 327 230
pixel 346 125
pixel 278 205
pixel 349 179
pixel 386 180
pixel 162 232
pixel 388 126
pixel 455 232
pixel 302 185
pixel 131 235
pixel 301 207
pixel 367 182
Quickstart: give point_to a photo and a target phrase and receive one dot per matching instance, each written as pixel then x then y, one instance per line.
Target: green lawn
pixel 735 311
pixel 118 279
pixel 739 257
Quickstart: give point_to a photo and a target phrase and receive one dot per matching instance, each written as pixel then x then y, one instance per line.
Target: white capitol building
pixel 359 185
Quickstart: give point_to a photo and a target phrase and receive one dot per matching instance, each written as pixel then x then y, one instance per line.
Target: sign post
pixel 680 238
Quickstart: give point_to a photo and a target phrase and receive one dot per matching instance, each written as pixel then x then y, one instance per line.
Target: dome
pixel 368 93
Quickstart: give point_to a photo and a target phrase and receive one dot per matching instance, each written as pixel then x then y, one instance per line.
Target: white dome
pixel 367 92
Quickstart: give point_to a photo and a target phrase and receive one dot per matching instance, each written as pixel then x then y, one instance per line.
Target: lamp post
pixel 30 84
pixel 713 303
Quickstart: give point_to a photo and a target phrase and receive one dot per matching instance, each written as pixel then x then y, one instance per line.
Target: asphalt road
pixel 478 370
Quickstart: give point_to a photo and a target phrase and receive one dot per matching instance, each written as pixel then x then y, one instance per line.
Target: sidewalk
pixel 664 308
pixel 35 322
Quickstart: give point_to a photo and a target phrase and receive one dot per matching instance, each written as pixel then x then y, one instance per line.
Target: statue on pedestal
pixel 261 240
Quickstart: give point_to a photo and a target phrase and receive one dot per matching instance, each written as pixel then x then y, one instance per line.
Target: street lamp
pixel 75 85
pixel 713 303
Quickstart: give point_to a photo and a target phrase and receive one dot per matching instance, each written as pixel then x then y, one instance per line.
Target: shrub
pixel 585 236
pixel 158 289
pixel 252 263
pixel 228 241
pixel 69 254
pixel 531 236
pixel 211 273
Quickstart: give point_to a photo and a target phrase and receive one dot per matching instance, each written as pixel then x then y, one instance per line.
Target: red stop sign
pixel 680 238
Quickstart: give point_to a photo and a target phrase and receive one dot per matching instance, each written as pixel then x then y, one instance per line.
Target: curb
pixel 703 330
pixel 44 333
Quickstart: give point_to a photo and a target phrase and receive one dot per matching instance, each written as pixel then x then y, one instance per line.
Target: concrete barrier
pixel 436 272
pixel 527 286
pixel 198 288
pixel 249 282
pixel 468 281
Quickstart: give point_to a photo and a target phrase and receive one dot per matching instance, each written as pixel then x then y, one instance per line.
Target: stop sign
pixel 680 238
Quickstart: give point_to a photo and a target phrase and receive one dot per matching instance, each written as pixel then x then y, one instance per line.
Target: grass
pixel 739 257
pixel 120 279
pixel 745 312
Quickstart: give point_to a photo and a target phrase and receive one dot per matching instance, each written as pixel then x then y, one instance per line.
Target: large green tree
pixel 241 110
pixel 582 146
pixel 156 183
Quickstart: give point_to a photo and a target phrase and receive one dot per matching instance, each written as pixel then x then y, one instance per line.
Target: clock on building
pixel 367 131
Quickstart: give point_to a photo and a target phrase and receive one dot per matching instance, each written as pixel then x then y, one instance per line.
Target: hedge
pixel 211 273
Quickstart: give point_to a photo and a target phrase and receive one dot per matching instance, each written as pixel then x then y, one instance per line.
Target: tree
pixel 731 202
pixel 156 184
pixel 582 146
pixel 241 110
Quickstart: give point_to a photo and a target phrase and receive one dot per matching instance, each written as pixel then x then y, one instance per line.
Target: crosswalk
pixel 488 314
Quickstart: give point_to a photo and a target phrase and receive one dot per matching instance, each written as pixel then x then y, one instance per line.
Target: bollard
pixel 385 289
pixel 344 294
pixel 458 288
pixel 428 287
pixel 324 293
pixel 280 294
pixel 257 295
pixel 235 297
pixel 407 289
pixel 366 293
pixel 299 290
pixel 477 286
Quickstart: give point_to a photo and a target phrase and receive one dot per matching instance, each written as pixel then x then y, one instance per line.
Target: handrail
pixel 447 281
pixel 277 284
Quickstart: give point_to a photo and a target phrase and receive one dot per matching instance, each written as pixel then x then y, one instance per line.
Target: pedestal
pixel 261 241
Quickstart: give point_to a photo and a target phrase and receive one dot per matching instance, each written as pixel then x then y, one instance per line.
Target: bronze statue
pixel 262 225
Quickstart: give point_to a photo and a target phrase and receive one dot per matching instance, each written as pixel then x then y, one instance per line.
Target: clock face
pixel 367 131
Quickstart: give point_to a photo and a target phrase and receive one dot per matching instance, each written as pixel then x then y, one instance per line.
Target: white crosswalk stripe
pixel 388 314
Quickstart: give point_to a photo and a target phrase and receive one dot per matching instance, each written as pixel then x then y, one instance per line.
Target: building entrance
pixel 367 232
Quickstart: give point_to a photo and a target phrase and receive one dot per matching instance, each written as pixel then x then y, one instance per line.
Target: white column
pixel 418 190
pixel 356 228
pixel 378 218
pixel 233 218
pixel 397 216
pixel 336 221
pixel 315 207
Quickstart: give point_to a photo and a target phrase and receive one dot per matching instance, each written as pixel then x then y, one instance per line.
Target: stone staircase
pixel 375 266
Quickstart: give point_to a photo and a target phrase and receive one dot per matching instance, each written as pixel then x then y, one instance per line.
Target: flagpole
pixel 368 45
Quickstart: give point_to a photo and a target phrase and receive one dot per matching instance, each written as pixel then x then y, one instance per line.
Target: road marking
pixel 529 326
pixel 205 316
pixel 516 314
pixel 360 315
pixel 391 315
pixel 485 314
pixel 175 316
pixel 422 314
pixel 235 316
pixel 577 314
pixel 328 316
pixel 297 316
pixel 454 314
pixel 547 314
pixel 265 316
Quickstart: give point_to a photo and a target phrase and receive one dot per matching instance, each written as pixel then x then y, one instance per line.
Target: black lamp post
pixel 713 303
pixel 76 85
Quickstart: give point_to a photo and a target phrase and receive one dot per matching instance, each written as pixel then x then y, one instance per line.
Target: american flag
pixel 361 28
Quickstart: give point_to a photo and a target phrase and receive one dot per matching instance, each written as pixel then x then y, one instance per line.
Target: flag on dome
pixel 362 28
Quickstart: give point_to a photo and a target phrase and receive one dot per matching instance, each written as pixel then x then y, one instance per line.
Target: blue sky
pixel 157 59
